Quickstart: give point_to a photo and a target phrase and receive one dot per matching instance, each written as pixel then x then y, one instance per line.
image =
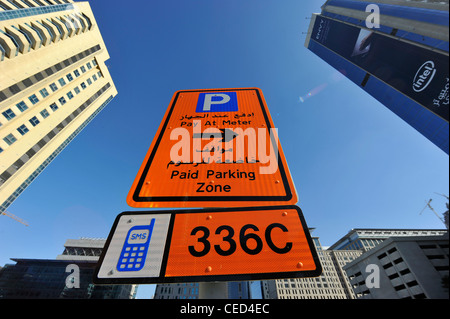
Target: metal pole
pixel 213 290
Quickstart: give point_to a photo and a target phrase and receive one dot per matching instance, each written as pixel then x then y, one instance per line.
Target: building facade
pixel 395 50
pixel 69 276
pixel 53 82
pixel 177 291
pixel 235 290
pixel 333 283
pixel 403 268
pixel 368 238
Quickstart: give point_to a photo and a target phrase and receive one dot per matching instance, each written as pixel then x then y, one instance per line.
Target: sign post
pixel 214 148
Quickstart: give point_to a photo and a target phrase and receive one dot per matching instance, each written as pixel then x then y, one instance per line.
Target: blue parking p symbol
pixel 217 102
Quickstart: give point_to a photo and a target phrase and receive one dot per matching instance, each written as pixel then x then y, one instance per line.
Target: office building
pixel 53 82
pixel 333 283
pixel 402 268
pixel 69 276
pixel 367 238
pixel 395 50
pixel 236 290
pixel 177 291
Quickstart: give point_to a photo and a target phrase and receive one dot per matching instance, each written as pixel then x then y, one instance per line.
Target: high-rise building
pixel 395 50
pixel 53 82
pixel 414 267
pixel 69 276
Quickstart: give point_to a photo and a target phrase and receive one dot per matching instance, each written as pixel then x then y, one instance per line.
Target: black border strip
pixel 138 189
pixel 242 277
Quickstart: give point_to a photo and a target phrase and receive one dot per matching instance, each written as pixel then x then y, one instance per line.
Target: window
pixel 62 82
pixel 34 121
pixel 62 100
pixel 70 95
pixel 1 149
pixel 54 107
pixel 23 129
pixel 83 85
pixel 53 87
pixel 94 62
pixel 94 77
pixel 77 73
pixel 99 74
pixel 22 106
pixel 77 90
pixel 89 81
pixel 69 77
pixel 10 139
pixel 89 65
pixel 44 93
pixel 83 69
pixel 392 250
pixel 9 114
pixel 33 99
pixel 44 113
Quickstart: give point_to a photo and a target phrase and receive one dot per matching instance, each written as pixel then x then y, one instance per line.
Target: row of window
pixel 38 33
pixel 12 5
pixel 22 106
pixel 34 121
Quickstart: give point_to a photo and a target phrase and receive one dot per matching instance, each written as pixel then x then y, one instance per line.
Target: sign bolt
pixel 208 269
pixel 277 182
pixel 284 214
pixel 300 265
pixel 209 217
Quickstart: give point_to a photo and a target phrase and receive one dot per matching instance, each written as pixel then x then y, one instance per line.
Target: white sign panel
pixel 136 248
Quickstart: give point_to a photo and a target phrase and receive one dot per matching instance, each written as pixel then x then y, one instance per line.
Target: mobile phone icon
pixel 135 248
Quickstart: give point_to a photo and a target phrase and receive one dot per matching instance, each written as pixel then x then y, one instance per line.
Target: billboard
pixel 417 72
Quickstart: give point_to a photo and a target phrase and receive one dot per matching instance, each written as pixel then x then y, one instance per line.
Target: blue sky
pixel 355 164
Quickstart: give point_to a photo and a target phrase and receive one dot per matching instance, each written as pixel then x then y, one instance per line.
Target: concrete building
pixel 395 50
pixel 368 238
pixel 69 276
pixel 332 284
pixel 402 268
pixel 53 82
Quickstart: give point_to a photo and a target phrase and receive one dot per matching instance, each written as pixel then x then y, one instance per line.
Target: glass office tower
pixel 395 50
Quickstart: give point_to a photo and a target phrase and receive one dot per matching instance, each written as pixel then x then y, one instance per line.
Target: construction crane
pixel 432 209
pixel 17 219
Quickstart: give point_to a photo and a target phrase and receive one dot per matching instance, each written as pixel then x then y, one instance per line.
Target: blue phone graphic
pixel 135 248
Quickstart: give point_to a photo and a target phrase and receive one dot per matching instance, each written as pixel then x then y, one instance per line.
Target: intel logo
pixel 424 76
pixel 320 29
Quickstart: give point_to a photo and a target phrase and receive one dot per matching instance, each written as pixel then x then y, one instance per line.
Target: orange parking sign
pixel 243 242
pixel 204 245
pixel 214 148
